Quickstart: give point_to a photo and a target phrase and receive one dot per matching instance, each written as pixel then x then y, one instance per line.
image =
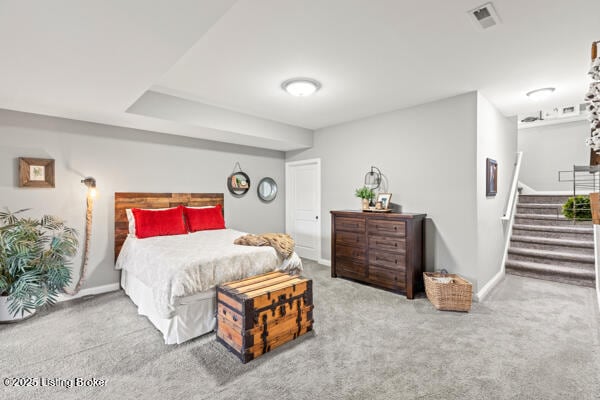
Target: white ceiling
pixel 378 55
pixel 94 54
pixel 92 60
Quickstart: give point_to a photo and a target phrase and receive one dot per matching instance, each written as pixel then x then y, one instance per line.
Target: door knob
pixel 317 217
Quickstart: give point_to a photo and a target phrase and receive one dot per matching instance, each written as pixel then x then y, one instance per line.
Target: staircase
pixel 546 245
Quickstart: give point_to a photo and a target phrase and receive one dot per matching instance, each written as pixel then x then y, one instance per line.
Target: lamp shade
pixel 373 178
pixel 91 185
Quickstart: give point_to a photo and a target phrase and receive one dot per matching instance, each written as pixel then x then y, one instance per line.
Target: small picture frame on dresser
pixel 384 199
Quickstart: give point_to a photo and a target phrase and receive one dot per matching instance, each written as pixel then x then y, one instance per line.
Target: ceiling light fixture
pixel 540 94
pixel 301 87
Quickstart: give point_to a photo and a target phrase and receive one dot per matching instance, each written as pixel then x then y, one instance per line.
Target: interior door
pixel 303 206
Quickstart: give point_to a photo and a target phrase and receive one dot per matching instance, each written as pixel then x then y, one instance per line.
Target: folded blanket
pixel 281 242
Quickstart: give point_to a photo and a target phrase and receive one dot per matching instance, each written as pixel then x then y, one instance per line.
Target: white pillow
pixel 131 217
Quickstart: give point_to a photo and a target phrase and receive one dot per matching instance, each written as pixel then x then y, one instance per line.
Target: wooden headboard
pixel 155 200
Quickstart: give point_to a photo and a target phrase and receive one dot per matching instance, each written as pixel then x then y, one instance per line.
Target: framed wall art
pixel 36 172
pixel 491 177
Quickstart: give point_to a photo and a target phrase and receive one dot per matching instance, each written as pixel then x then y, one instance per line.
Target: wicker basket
pixel 453 296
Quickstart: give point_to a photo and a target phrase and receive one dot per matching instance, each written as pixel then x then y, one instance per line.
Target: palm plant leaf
pixel 34 259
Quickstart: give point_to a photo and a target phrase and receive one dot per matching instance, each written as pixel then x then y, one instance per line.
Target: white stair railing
pixel 514 189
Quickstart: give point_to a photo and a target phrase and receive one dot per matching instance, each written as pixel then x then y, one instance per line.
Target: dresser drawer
pixel 349 269
pixel 350 224
pixel 355 253
pixel 385 228
pixel 387 277
pixel 388 243
pixel 350 238
pixel 387 260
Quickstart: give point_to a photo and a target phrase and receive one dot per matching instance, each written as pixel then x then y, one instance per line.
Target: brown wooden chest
pixel 257 314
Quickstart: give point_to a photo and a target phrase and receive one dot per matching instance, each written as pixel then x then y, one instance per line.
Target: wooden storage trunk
pixel 257 314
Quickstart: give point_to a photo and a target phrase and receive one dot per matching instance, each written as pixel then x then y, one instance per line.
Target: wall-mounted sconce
pixel 91 185
pixel 373 178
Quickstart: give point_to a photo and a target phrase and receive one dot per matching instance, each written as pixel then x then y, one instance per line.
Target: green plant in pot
pixel 577 208
pixel 34 262
pixel 366 195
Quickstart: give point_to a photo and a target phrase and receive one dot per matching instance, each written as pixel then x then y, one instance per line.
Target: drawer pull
pixel 395 260
pixel 385 243
pixel 235 318
pixel 384 227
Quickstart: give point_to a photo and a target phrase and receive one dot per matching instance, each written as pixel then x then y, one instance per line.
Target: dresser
pixel 382 249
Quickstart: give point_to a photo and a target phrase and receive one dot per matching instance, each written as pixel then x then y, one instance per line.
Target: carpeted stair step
pixel 546 245
pixel 557 273
pixel 543 199
pixel 581 232
pixel 541 219
pixel 553 244
pixel 538 208
pixel 552 257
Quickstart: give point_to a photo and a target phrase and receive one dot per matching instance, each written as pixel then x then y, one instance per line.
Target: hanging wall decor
pixel 593 107
pixel 36 172
pixel 238 182
pixel 491 177
pixel 267 190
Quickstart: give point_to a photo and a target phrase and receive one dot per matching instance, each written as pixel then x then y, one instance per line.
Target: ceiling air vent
pixel 485 16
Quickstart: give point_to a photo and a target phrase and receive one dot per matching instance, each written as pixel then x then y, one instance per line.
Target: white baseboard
pixel 325 262
pixel 111 287
pixel 485 290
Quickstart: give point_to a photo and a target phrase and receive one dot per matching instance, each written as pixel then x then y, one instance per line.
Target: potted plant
pixel 577 208
pixel 34 263
pixel 366 195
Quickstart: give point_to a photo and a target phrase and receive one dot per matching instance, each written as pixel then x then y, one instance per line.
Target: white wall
pixel 496 139
pixel 126 160
pixel 427 156
pixel 552 148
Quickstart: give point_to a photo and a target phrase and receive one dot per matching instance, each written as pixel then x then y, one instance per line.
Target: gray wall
pixel 126 160
pixel 496 139
pixel 427 154
pixel 431 158
pixel 552 148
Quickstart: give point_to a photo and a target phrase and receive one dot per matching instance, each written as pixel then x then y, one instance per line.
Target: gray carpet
pixel 530 339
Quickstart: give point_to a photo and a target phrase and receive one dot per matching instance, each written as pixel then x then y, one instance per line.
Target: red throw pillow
pixel 202 219
pixel 149 223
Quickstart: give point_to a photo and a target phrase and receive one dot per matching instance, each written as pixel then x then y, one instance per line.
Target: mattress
pixel 177 267
pixel 194 315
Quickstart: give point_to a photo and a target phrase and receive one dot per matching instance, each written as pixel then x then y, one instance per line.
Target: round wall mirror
pixel 238 183
pixel 267 189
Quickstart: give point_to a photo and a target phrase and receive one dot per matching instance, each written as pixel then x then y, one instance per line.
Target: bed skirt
pixel 194 315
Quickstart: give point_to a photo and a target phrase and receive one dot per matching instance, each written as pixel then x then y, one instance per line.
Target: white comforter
pixel 182 265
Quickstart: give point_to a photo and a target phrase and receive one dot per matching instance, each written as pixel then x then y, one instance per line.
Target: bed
pixel 172 279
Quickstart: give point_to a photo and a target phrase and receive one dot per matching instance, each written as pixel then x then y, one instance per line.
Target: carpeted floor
pixel 530 339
